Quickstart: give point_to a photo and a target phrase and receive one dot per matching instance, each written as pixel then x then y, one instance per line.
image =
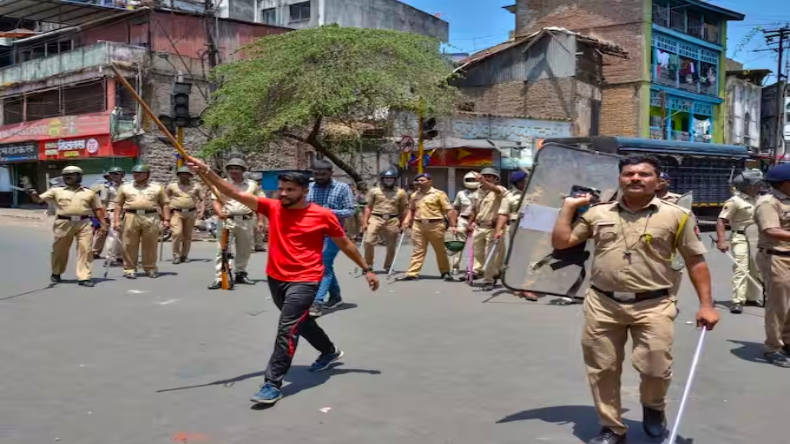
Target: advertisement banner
pixel 18 152
pixel 82 125
pixel 462 157
pixel 86 148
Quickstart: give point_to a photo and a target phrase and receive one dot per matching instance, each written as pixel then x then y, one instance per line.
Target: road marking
pixel 169 301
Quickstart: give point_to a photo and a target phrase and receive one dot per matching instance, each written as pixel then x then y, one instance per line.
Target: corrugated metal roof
pixel 605 47
pixel 56 11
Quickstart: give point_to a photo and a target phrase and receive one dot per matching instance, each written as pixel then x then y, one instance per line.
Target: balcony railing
pixel 93 56
pixel 685 21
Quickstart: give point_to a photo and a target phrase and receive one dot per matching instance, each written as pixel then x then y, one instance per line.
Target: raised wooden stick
pixel 161 126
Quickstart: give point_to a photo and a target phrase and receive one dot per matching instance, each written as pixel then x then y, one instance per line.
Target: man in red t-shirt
pixel 295 268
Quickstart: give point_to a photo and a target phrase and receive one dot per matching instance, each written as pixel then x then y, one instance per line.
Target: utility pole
pixel 663 97
pixel 208 17
pixel 421 139
pixel 778 37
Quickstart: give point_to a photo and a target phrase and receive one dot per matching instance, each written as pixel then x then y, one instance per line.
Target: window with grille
pixel 269 16
pixel 300 12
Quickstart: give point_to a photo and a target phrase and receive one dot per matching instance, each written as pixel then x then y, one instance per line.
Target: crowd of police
pixel 634 283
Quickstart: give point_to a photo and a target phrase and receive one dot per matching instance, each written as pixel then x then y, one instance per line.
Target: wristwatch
pixel 368 270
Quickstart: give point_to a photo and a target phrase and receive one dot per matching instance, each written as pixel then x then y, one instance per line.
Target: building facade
pixel 673 84
pixel 743 100
pixel 553 74
pixel 374 14
pixel 60 103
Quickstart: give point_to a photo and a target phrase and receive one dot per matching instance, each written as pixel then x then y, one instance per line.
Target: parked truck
pixel 706 169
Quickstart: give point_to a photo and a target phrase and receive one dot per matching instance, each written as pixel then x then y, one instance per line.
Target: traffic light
pixel 179 101
pixel 429 131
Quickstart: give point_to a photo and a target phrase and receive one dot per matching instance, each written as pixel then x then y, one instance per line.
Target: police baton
pixel 491 254
pixel 739 266
pixel 687 390
pixel 397 250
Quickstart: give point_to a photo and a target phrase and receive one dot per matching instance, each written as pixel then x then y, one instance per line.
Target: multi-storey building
pixel 672 86
pixel 375 14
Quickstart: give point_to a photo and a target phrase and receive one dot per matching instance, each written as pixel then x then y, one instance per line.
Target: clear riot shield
pixel 531 263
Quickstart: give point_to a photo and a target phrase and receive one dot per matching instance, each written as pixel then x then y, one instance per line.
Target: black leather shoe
pixel 241 278
pixel 184 259
pixel 448 277
pixel 55 278
pixel 736 309
pixel 176 260
pixel 607 436
pixel 88 283
pixel 216 285
pixel 778 359
pixel 488 286
pixel 654 422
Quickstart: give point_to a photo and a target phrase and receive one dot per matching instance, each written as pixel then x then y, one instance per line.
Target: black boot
pixel 88 283
pixel 241 278
pixel 55 279
pixel 607 436
pixel 654 422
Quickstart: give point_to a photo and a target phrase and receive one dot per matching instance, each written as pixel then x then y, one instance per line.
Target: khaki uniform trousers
pixel 483 243
pixel 242 232
pixel 775 271
pixel 65 231
pixel 388 230
pixel 182 226
pixel 140 232
pixel 100 238
pixel 742 288
pixel 258 236
pixel 424 233
pixel 456 259
pixel 606 327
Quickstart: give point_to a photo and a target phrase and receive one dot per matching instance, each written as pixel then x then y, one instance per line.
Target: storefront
pixel 51 144
pixel 17 160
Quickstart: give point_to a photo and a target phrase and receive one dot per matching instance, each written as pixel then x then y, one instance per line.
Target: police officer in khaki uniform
pixel 140 203
pixel 490 216
pixel 186 205
pixel 74 205
pixel 240 220
pixel 663 192
pixel 772 215
pixel 635 238
pixel 463 205
pixel 427 210
pixel 385 211
pixel 738 212
pixel 107 192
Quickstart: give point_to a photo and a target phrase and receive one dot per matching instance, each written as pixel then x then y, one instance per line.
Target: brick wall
pixel 532 15
pixel 544 99
pixel 620 110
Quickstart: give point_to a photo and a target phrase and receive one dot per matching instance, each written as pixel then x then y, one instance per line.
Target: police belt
pixel 384 216
pixel 73 218
pixel 490 225
pixel 185 210
pixel 429 221
pixel 464 216
pixel 739 232
pixel 775 252
pixel 247 216
pixel 638 297
pixel 140 212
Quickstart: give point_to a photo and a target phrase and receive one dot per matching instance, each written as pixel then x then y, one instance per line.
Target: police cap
pixel 490 171
pixel 237 163
pixel 115 170
pixel 184 169
pixel 518 176
pixel 779 173
pixel 389 174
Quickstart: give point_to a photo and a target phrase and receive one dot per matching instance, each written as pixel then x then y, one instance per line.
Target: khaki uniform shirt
pixel 235 208
pixel 739 211
pixel 772 211
pixel 433 204
pixel 671 197
pixel 623 261
pixel 463 202
pixel 184 197
pixel 515 202
pixel 488 206
pixel 149 196
pixel 387 202
pixel 70 201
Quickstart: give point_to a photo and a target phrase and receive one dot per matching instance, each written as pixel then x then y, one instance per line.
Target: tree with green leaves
pixel 295 85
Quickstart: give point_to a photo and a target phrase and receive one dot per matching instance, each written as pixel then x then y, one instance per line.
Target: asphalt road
pixel 158 361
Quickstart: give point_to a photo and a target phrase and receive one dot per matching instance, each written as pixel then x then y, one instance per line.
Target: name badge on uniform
pixel 238 217
pixel 75 218
pixel 141 212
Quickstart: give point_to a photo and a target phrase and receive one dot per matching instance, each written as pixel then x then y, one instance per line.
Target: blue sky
pixel 477 24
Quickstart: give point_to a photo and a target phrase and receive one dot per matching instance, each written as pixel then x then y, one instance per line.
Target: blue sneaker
pixel 325 360
pixel 268 394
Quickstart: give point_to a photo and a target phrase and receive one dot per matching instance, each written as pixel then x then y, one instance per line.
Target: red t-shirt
pixel 296 240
